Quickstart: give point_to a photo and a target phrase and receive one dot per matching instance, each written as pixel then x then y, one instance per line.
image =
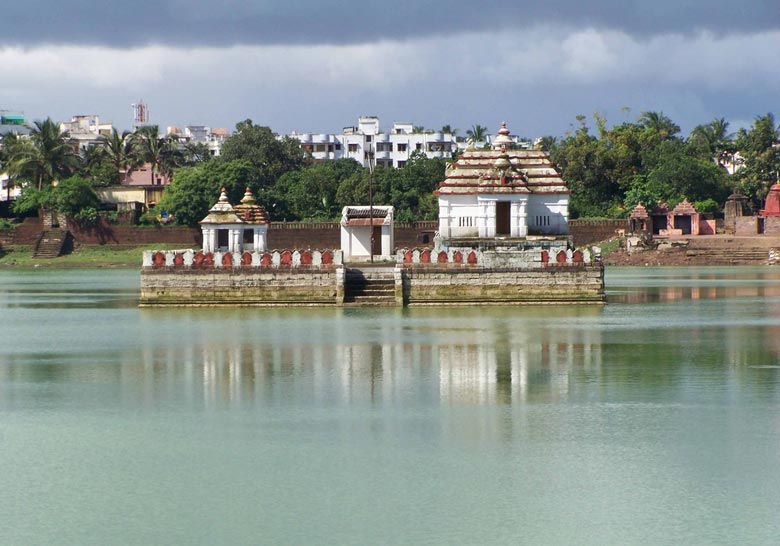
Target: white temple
pixel 356 231
pixel 502 192
pixel 234 229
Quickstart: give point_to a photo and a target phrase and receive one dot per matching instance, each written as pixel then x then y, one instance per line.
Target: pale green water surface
pixel 652 420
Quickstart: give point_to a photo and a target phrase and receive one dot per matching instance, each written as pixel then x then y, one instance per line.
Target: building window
pixel 368 138
pixel 338 146
pixel 418 146
pixel 542 221
pixel 401 147
pixel 401 164
pixel 352 147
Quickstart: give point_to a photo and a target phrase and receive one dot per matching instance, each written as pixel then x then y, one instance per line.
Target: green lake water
pixel 652 420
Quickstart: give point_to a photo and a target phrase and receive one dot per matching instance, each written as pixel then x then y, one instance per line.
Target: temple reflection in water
pixel 492 364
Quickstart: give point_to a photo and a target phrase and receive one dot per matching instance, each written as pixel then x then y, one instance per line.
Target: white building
pixel 86 130
pixel 359 229
pixel 366 143
pixel 201 134
pixel 502 192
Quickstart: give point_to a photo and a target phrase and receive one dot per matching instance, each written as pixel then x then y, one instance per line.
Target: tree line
pixel 645 161
pixel 609 170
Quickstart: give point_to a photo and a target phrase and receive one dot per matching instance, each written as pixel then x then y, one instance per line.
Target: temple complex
pixel 503 240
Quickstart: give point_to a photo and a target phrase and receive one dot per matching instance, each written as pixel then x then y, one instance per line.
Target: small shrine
pixel 772 202
pixel 736 207
pixel 684 219
pixel 235 229
pixel 640 220
pixel 503 192
pixel 360 226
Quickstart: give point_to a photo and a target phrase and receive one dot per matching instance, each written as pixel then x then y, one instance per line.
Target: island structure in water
pixel 502 239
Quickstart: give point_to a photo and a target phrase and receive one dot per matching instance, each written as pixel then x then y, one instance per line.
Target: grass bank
pixel 84 256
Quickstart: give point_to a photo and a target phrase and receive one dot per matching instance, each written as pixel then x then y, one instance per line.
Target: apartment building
pixel 368 144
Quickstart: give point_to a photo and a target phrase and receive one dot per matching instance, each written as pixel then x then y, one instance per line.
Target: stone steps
pixel 369 287
pixel 730 256
pixel 51 243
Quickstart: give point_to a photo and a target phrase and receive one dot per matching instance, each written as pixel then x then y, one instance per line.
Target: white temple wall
pixel 459 216
pixel 356 241
pixel 548 214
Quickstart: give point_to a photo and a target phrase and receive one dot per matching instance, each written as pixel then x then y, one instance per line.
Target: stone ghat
pixel 188 259
pixel 493 258
pixel 319 278
pixel 442 284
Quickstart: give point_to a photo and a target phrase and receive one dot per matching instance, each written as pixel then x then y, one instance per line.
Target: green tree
pixel 268 156
pixel 311 193
pixel 477 133
pixel 760 148
pixel 161 153
pixel 48 155
pixel 121 152
pixel 713 141
pixel 194 190
pixel 73 197
pixel 448 130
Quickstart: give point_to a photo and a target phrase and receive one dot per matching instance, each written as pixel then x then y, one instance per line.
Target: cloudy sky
pixel 316 65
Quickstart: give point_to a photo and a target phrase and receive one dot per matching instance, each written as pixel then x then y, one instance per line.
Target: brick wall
pixel 587 231
pixel 280 234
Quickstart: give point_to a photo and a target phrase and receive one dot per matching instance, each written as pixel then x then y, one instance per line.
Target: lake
pixel 652 420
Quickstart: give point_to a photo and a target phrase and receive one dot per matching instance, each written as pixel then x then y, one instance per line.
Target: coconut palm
pixel 158 152
pixel 477 133
pixel 120 150
pixel 46 156
pixel 714 140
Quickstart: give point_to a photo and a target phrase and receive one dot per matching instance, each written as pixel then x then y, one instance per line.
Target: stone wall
pixel 772 225
pixel 242 287
pixel 454 285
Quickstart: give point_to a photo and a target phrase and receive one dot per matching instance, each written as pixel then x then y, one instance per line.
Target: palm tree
pixel 658 123
pixel 120 149
pixel 477 133
pixel 714 140
pixel 153 149
pixel 47 156
pixel 448 130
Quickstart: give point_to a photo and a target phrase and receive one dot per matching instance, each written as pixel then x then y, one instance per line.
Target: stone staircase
pixel 369 286
pixel 732 251
pixel 52 243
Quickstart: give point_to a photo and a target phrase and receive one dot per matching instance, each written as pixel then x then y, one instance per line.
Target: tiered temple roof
pixel 248 212
pixel 639 212
pixel 684 207
pixel 502 169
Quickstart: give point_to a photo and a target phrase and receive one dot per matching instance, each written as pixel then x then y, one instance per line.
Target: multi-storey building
pixel 366 144
pixel 86 130
pixel 201 134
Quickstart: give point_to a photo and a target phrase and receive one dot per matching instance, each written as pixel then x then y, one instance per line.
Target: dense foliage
pixel 643 161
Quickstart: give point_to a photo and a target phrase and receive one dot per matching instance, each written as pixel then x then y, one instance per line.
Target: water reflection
pixel 692 326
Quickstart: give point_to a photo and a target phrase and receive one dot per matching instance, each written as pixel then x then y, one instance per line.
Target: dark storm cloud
pixel 226 22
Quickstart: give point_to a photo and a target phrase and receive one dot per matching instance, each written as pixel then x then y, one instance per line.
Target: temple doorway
pixel 683 223
pixel 503 218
